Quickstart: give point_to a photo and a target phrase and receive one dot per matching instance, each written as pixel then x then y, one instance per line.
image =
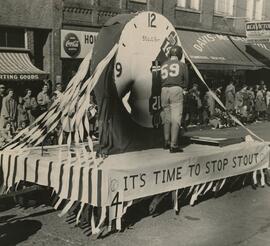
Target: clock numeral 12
pixel 151 19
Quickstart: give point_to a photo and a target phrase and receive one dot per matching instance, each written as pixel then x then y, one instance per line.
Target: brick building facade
pixel 43 21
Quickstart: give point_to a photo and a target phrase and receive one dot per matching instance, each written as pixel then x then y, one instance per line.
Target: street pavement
pixel 237 218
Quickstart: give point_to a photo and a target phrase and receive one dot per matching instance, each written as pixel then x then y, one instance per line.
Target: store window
pixel 224 7
pixel 12 37
pixel 189 4
pixel 254 9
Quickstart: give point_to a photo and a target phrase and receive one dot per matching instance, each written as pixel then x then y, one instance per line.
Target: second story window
pixel 224 7
pixel 12 38
pixel 189 4
pixel 254 9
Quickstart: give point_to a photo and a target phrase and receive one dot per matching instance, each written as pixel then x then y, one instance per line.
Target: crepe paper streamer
pixel 66 208
pixel 79 213
pixel 118 224
pixel 125 207
pixel 175 200
pixel 222 184
pixel 191 190
pixel 102 218
pixel 209 186
pixel 94 229
pixel 262 177
pixel 194 195
pixel 58 203
pixel 255 181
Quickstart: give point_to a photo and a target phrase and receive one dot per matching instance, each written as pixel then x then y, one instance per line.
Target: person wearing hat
pixel 174 79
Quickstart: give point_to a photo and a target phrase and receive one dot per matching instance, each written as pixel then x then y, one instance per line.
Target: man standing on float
pixel 174 79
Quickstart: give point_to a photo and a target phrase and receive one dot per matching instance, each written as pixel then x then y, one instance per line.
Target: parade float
pixel 128 163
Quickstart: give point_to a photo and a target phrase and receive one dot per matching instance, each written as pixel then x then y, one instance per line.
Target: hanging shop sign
pixel 258 31
pixel 76 44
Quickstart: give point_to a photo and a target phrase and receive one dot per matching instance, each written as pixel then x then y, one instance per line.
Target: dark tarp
pixel 18 66
pixel 214 51
pixel 118 132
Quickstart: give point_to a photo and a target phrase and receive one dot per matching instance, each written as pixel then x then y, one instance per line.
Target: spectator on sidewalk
pixel 30 105
pixel 9 109
pixel 238 102
pixel 260 104
pixel 194 103
pixel 43 99
pixel 57 94
pixel 6 134
pixel 22 112
pixel 230 97
pixel 208 106
pixel 2 95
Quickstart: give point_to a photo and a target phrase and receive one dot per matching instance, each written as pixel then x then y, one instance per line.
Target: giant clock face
pixel 144 44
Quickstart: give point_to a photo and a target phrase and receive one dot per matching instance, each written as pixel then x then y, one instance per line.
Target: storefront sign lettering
pixel 77 44
pixel 19 76
pixel 204 40
pixel 72 45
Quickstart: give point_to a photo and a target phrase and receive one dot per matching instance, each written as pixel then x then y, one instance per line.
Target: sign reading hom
pixel 258 31
pixel 76 44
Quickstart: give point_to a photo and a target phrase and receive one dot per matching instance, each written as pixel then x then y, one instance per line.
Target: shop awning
pixel 260 51
pixel 214 51
pixel 242 44
pixel 18 66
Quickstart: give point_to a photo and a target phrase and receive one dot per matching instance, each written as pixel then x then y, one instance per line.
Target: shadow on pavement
pixel 18 231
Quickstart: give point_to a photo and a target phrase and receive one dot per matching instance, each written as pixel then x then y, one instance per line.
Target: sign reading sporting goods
pixel 76 44
pixel 22 76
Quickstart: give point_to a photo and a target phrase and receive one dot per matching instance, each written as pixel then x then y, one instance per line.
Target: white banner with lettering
pixel 129 184
pixel 77 44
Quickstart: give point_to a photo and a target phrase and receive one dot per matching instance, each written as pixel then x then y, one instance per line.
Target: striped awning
pixel 18 66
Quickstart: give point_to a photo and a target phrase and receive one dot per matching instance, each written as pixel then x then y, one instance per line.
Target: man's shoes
pixel 166 146
pixel 176 150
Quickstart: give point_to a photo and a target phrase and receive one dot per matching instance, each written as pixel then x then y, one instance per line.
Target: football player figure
pixel 174 80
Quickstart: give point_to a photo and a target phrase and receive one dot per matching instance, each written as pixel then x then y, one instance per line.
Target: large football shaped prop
pixel 128 91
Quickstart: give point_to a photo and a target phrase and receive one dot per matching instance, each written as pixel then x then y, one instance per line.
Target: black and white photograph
pixel 134 122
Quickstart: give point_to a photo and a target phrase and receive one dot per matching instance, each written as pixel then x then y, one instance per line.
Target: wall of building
pixel 44 27
pixel 42 20
pixel 27 13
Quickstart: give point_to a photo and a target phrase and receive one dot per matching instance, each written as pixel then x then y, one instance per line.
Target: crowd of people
pixel 17 112
pixel 247 103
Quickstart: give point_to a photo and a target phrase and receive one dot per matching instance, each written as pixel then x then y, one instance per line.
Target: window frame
pixel 229 8
pixel 8 32
pixel 187 5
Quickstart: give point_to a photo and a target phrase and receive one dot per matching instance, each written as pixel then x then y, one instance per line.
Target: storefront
pixel 259 54
pixel 220 57
pixel 75 45
pixel 18 72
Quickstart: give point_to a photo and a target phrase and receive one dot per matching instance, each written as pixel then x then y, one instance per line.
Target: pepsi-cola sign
pixel 72 45
pixel 76 44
